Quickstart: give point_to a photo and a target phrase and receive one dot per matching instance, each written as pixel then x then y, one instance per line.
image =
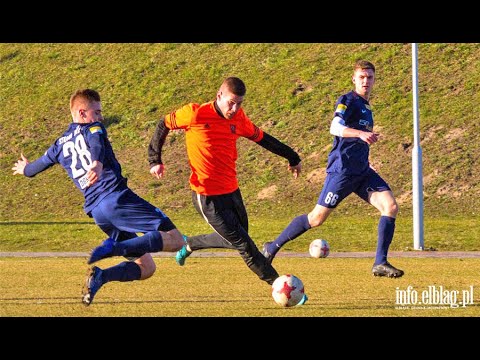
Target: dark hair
pixel 235 85
pixel 363 64
pixel 87 95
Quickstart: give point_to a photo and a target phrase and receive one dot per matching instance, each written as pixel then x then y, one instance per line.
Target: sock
pixel 386 228
pixel 147 243
pixel 297 227
pixel 125 271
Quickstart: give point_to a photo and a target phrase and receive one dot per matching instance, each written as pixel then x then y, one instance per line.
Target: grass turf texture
pixel 224 287
pixel 344 233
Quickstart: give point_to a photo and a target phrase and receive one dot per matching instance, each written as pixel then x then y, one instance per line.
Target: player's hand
pixel 94 173
pixel 157 171
pixel 369 137
pixel 295 170
pixel 19 166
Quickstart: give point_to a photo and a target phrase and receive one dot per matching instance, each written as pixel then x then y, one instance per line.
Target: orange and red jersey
pixel 212 145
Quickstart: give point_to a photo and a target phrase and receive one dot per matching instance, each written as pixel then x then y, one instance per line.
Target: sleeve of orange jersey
pixel 250 130
pixel 268 142
pixel 181 118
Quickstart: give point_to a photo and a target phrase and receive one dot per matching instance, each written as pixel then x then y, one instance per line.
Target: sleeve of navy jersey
pixel 355 111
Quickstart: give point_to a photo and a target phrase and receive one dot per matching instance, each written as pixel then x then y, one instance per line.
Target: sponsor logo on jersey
pixel 341 108
pixel 64 139
pixel 366 124
pixel 83 182
pixel 96 129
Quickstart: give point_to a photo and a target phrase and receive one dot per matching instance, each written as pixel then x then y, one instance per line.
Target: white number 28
pixel 77 148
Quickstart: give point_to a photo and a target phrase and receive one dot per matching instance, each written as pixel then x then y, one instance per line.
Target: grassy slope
pixel 291 92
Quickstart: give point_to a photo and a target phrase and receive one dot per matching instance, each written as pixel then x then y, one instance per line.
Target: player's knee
pixel 391 209
pixel 394 209
pixel 148 270
pixel 147 266
pixel 318 215
pixel 315 220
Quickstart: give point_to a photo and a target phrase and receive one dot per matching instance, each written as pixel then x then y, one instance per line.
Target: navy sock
pixel 297 227
pixel 125 271
pixel 386 228
pixel 150 242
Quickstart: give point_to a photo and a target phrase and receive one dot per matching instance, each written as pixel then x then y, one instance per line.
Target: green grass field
pixel 344 233
pixel 224 287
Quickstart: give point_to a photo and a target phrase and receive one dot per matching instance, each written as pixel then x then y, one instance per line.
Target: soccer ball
pixel 319 248
pixel 287 290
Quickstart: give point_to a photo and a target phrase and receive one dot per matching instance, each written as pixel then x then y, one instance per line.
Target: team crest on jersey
pixel 341 108
pixel 96 129
pixel 233 129
pixel 206 126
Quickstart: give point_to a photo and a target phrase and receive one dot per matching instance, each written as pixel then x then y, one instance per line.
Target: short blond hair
pixel 83 97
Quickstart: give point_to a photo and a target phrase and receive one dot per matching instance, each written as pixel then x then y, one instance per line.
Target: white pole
pixel 417 177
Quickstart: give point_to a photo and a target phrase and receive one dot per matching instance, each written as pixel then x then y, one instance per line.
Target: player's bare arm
pixel 19 166
pixel 367 136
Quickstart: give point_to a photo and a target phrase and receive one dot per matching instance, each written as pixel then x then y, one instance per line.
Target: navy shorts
pixel 122 214
pixel 338 186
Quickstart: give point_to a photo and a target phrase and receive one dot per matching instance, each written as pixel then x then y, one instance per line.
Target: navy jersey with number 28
pixel 75 150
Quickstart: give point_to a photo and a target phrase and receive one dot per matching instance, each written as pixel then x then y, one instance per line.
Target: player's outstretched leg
pixel 297 227
pixel 147 243
pixel 93 283
pixel 103 251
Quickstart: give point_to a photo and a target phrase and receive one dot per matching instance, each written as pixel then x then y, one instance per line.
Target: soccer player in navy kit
pixel 348 170
pixel 85 152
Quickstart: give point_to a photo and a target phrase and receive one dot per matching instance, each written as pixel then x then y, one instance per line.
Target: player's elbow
pixel 337 126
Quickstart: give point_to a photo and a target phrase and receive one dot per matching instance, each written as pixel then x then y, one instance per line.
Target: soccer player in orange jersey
pixel 212 130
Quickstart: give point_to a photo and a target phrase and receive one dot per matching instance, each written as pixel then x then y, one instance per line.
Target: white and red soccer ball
pixel 319 248
pixel 287 290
